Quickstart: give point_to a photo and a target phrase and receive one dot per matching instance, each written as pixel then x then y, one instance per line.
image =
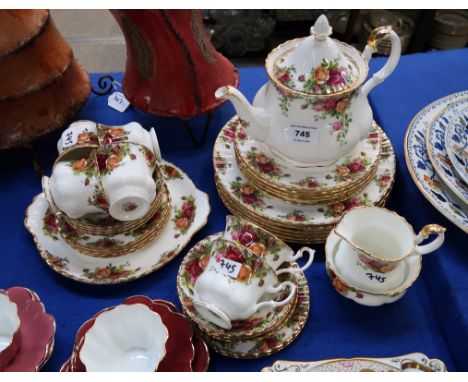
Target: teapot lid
pixel 316 64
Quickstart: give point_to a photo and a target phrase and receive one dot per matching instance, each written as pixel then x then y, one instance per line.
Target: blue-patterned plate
pixel 421 169
pixel 436 147
pixel 456 143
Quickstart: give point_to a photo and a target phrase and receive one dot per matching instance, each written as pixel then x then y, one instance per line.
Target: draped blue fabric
pixel 431 318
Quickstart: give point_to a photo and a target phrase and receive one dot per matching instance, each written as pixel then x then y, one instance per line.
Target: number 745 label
pixel 302 134
pixel 229 267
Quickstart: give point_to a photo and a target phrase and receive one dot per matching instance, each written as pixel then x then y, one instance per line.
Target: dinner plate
pixel 421 169
pixel 436 147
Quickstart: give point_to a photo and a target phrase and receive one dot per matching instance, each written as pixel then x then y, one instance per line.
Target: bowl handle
pixel 377 35
pixel 275 304
pixel 430 229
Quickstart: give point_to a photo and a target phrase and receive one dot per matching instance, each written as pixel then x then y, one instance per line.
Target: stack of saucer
pixel 107 190
pixel 112 198
pixel 243 291
pixel 299 204
pixel 140 334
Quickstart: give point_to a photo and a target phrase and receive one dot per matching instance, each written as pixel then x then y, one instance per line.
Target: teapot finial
pixel 321 29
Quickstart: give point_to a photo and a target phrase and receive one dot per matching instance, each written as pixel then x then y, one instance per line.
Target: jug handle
pixel 279 288
pixel 298 255
pixel 377 35
pixel 426 231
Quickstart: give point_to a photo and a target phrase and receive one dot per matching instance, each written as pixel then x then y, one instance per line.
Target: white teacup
pixel 9 330
pixel 132 132
pixel 125 338
pixel 235 284
pixel 127 178
pixel 78 133
pixel 74 186
pixel 264 244
pixel 85 132
pixel 375 245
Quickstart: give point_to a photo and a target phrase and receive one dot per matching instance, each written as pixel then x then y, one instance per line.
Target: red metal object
pixel 172 67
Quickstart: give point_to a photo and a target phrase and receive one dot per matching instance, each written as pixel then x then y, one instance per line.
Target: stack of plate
pixel 299 205
pixel 265 332
pixel 436 151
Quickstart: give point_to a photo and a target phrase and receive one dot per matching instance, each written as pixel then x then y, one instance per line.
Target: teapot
pixel 314 109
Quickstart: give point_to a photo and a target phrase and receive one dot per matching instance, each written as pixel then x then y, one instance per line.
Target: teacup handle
pixel 377 35
pixel 48 195
pixel 298 255
pixel 427 230
pixel 279 288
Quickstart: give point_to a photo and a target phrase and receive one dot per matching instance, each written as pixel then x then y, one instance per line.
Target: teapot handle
pixel 430 229
pixel 376 36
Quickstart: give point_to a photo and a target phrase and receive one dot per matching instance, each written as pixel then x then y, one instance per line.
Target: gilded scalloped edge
pixel 49 347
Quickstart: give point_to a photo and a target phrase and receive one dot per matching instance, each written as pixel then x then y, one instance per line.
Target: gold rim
pixel 413 174
pixel 291 197
pixel 376 257
pixel 146 238
pixel 360 78
pixel 322 194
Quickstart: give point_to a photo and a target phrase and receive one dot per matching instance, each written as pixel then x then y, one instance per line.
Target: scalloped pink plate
pixel 37 331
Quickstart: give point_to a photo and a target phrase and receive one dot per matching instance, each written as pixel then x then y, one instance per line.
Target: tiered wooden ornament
pixel 41 84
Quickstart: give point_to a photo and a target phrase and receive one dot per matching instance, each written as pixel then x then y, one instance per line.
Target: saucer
pixel 106 246
pixel 456 142
pixel 37 331
pixel 273 341
pixel 190 210
pixel 436 147
pixel 261 322
pixel 421 169
pixel 314 184
pixel 361 295
pixel 407 362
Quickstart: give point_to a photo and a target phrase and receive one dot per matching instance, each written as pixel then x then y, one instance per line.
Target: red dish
pixel 37 331
pixel 181 352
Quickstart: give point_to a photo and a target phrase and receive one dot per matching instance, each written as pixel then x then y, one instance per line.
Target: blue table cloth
pixel 431 318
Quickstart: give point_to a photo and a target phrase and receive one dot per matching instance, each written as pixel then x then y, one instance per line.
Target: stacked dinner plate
pixel 268 329
pixel 436 151
pixel 299 204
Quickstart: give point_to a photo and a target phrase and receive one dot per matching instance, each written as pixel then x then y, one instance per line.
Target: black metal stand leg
pixel 37 164
pixel 195 141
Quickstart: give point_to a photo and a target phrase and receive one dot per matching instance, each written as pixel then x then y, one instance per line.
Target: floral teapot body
pixel 314 109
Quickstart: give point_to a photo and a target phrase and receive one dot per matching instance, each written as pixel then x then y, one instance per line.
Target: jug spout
pixel 254 119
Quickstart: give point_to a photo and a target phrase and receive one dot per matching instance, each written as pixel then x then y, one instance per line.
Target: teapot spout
pixel 254 119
